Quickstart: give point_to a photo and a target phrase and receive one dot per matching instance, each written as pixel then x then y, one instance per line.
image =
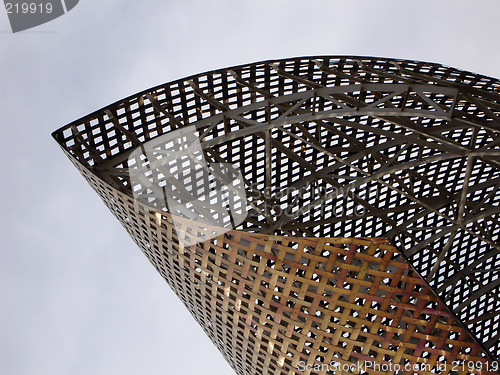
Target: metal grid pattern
pixel 344 147
pixel 276 304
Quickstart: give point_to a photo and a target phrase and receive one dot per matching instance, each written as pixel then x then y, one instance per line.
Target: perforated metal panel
pixel 336 153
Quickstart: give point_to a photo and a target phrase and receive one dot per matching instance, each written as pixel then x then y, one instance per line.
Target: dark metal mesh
pixel 346 147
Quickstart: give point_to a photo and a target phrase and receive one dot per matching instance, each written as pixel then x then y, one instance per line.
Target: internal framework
pixel 334 147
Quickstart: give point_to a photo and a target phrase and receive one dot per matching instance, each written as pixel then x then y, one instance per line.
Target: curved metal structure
pixel 372 217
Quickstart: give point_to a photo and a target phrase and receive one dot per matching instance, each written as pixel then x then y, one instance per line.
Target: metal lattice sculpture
pixel 372 216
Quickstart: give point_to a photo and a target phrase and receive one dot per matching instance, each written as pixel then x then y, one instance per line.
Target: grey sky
pixel 77 296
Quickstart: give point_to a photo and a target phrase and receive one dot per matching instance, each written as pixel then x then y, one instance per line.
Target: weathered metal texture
pixel 362 147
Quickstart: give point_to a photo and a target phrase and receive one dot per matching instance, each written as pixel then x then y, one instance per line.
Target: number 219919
pixel 25 8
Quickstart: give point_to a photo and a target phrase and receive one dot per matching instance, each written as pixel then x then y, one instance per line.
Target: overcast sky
pixel 77 296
